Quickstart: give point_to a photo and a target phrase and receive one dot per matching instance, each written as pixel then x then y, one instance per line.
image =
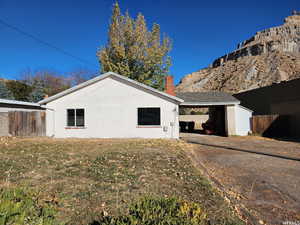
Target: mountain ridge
pixel 270 56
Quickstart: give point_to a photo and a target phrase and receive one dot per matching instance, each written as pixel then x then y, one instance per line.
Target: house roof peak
pixel 104 76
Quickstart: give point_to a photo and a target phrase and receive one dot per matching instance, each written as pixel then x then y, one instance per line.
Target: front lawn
pixel 88 178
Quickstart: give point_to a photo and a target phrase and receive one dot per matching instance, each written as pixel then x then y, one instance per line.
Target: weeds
pixel 160 211
pixel 93 176
pixel 19 206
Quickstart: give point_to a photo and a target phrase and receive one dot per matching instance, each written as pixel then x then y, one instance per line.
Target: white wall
pixel 111 112
pixel 230 120
pixel 242 120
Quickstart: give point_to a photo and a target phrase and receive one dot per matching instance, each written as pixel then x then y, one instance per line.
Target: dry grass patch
pixel 92 176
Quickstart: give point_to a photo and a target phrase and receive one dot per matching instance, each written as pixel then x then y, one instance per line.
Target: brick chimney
pixel 169 85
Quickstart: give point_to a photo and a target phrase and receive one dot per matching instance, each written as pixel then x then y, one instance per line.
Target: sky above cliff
pixel 201 30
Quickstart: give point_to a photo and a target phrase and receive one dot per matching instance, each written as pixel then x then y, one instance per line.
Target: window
pixel 75 117
pixel 148 116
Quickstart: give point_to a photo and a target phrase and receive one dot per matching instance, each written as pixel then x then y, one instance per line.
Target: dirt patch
pixel 260 174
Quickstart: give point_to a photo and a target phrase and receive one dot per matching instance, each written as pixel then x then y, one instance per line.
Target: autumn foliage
pixel 134 51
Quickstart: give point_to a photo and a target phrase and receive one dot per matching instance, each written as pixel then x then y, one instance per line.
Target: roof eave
pixel 14 102
pixel 209 103
pixel 70 90
pixel 150 88
pixel 243 107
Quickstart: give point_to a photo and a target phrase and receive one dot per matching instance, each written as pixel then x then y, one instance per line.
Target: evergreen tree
pixel 134 51
pixel 5 92
pixel 38 92
pixel 19 89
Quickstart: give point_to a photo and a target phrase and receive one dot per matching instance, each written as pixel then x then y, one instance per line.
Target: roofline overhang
pixel 243 107
pixel 209 103
pixel 14 102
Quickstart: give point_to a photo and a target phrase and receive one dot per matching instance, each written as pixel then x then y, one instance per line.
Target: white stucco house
pixel 112 106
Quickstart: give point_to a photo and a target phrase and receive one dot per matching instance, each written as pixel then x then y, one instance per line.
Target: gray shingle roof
pixel 207 98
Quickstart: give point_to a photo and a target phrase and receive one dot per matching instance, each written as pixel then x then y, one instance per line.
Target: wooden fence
pixel 23 123
pixel 271 125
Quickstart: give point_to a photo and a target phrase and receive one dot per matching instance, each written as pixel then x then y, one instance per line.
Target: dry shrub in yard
pixel 159 211
pixel 92 177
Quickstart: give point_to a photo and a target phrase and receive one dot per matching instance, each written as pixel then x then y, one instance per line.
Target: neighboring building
pixel 225 111
pixel 112 106
pixel 282 99
pixel 7 106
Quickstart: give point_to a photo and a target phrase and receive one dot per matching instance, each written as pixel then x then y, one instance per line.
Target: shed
pixel 13 105
pixel 7 106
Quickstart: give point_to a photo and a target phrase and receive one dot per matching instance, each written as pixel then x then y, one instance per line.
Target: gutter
pixel 209 103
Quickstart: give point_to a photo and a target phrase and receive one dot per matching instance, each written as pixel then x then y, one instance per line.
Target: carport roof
pixel 14 102
pixel 207 98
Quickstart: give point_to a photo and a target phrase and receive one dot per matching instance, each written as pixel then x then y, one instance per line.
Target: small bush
pixel 21 207
pixel 159 211
pixel 197 113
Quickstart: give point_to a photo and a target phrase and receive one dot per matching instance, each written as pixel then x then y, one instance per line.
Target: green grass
pixel 19 206
pixel 89 177
pixel 160 211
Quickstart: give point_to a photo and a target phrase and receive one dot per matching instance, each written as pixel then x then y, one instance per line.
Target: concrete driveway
pixel 259 175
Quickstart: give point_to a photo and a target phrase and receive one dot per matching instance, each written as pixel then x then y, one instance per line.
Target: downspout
pixel 175 120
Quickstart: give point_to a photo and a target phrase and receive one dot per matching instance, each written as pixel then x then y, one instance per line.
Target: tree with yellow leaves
pixel 134 51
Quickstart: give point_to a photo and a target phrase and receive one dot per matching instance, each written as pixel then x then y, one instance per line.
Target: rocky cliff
pixel 270 56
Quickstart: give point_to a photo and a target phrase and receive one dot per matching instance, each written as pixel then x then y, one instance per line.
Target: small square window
pixel 75 117
pixel 80 117
pixel 70 117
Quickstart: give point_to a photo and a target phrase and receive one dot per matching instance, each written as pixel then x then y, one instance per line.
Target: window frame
pixel 75 118
pixel 149 125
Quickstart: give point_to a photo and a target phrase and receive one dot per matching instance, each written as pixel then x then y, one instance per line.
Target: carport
pixel 225 115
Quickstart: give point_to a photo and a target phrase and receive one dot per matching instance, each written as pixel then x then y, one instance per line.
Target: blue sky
pixel 201 30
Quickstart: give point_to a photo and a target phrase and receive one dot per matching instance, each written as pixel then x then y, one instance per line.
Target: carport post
pixel 230 126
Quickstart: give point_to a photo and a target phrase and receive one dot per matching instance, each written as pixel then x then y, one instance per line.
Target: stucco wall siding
pixel 237 120
pixel 230 126
pixel 111 112
pixel 242 120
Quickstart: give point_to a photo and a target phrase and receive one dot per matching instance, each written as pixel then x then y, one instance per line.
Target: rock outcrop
pixel 270 56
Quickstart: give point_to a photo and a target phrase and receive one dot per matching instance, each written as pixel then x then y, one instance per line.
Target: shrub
pixel 21 207
pixel 159 211
pixel 196 113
